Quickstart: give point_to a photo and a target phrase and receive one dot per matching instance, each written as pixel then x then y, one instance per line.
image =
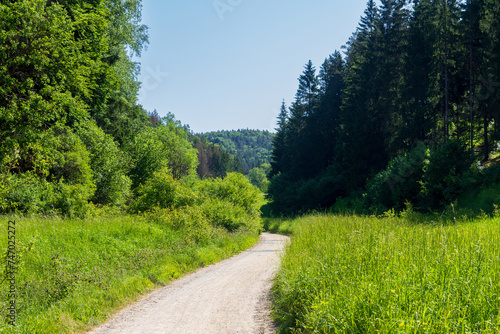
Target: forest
pixel 405 115
pixel 72 135
pixel 252 147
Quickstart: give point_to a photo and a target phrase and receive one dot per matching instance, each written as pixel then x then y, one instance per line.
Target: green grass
pixel 350 274
pixel 283 226
pixel 73 274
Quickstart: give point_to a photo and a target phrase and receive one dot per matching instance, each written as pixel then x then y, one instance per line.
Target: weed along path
pixel 228 297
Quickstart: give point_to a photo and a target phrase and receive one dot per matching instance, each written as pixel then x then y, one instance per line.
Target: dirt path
pixel 228 297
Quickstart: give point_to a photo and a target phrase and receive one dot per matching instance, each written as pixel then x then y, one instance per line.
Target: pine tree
pixel 278 158
pixel 361 135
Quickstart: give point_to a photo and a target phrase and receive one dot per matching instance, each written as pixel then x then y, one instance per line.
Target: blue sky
pixel 227 64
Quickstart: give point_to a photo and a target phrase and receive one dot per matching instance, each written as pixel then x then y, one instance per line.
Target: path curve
pixel 231 297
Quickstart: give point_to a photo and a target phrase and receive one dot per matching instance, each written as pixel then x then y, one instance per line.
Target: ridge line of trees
pixel 421 71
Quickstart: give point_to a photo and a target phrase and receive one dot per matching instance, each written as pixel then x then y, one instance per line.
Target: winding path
pixel 228 297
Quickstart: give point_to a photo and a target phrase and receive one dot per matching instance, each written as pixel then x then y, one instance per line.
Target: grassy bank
pixel 349 274
pixel 72 274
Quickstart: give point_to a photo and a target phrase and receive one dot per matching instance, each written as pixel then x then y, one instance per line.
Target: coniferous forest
pixel 407 114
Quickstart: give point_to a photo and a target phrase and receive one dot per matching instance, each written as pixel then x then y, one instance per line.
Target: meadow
pixel 353 274
pixel 74 273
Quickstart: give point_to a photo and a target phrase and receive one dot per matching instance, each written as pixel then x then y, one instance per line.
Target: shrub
pixel 399 182
pixel 25 193
pixel 72 177
pixel 192 221
pixel 236 189
pixel 163 191
pixel 447 172
pixel 227 215
pixel 72 200
pixel 232 202
pixel 66 189
pixel 257 177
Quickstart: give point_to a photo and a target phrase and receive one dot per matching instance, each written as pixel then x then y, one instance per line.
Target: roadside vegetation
pixel 72 274
pixel 408 274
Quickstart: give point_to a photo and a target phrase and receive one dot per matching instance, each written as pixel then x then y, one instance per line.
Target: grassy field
pixel 72 274
pixel 350 274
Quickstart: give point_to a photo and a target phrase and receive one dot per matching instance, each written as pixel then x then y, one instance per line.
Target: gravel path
pixel 228 297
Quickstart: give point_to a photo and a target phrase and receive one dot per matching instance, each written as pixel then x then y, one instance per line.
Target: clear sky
pixel 228 64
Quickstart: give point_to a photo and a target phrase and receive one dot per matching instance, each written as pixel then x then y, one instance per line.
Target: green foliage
pixel 399 182
pixel 446 173
pixel 289 196
pixel 25 193
pixel 164 146
pixel 351 274
pixel 234 188
pixel 72 200
pixel 258 178
pixel 214 161
pixel 163 191
pixel 233 202
pixel 282 194
pixel 228 215
pixel 66 187
pixel 57 69
pixel 73 274
pixel 108 163
pixel 42 80
pixel 72 163
pixel 425 72
pixel 251 147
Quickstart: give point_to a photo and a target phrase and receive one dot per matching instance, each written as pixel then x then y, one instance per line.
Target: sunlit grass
pixel 73 274
pixel 374 275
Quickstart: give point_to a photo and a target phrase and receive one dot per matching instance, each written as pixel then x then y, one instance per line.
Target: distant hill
pixel 252 147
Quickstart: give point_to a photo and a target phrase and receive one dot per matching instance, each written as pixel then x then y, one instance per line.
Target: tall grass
pixel 72 274
pixel 382 275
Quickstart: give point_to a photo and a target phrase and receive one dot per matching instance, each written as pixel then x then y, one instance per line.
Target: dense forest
pixel 252 147
pixel 400 117
pixel 214 161
pixel 73 137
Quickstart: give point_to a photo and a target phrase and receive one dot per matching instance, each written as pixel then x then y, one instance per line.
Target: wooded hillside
pixel 252 147
pixel 406 106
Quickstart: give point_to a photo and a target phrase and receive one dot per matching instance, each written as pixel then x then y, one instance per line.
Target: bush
pixel 192 221
pixel 232 202
pixel 72 200
pixel 163 191
pixel 66 189
pixel 258 178
pixel 72 177
pixel 25 193
pixel 399 182
pixel 447 172
pixel 236 189
pixel 227 215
